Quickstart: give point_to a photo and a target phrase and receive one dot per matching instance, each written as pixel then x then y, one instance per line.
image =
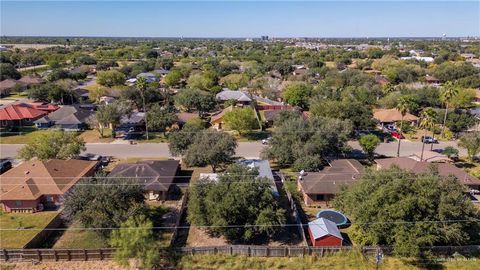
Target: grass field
pixel 80 238
pixel 338 261
pixel 17 239
pixel 24 135
pixel 93 136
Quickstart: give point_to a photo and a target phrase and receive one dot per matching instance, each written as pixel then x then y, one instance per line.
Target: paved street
pixel 245 149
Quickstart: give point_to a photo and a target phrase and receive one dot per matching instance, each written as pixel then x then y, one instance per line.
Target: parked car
pixel 428 140
pixel 397 135
pixel 390 128
pixel 5 165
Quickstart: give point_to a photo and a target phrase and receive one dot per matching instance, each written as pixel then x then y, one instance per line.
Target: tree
pixel 108 115
pixel 160 118
pixel 173 78
pixel 201 81
pixel 427 121
pixel 8 71
pixel 448 92
pixel 53 145
pixel 104 203
pixel 359 114
pixel 239 197
pixel 408 211
pixel 195 100
pixel 403 106
pixel 179 141
pixel 110 78
pixel 235 81
pixel 135 240
pixel 141 85
pixel 241 120
pixel 471 142
pixel 306 143
pixel 369 143
pixel 297 94
pixel 212 148
pixel 450 152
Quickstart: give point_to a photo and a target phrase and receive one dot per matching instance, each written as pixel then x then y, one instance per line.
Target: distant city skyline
pixel 234 19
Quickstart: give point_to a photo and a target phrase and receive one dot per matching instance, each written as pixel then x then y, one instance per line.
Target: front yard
pixel 28 134
pixel 33 223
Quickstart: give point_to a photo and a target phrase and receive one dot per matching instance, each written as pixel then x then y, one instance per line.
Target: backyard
pixel 33 223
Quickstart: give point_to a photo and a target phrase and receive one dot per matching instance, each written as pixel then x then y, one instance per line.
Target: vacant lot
pixel 33 223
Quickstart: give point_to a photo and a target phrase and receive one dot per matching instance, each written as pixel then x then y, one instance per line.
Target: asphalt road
pixel 245 149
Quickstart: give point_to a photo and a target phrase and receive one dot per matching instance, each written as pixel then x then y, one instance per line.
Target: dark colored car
pixel 5 165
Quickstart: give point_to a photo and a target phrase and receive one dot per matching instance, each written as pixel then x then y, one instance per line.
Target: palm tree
pixel 448 91
pixel 403 106
pixel 141 84
pixel 428 119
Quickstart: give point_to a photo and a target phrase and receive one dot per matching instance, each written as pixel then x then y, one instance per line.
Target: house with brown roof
pixel 432 80
pixel 6 86
pixel 217 119
pixel 38 185
pixel 444 169
pixel 389 116
pixel 321 187
pixel 157 177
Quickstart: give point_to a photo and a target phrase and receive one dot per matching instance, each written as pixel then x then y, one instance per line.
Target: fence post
pixel 249 251
pixel 285 252
pixel 55 255
pixel 68 255
pixel 193 251
pixel 321 252
pixel 231 250
pixel 5 254
pixel 101 254
pixel 268 251
pixel 85 255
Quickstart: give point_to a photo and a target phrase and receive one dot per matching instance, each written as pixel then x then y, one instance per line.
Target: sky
pixel 240 18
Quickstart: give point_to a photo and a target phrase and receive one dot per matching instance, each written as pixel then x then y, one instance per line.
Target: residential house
pixel 82 95
pixel 444 169
pixel 162 72
pixel 184 117
pixel 149 77
pixel 270 116
pixel 29 81
pixel 68 117
pixel 390 116
pixel 321 187
pixel 38 185
pixel 156 176
pixel 324 233
pixel 429 156
pixel 217 121
pixel 264 171
pixel 19 115
pixel 43 106
pixel 239 96
pixel 134 120
pixel 432 80
pixel 6 87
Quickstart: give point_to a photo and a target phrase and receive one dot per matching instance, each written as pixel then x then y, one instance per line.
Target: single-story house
pixel 270 116
pixel 321 187
pixel 184 117
pixel 28 81
pixel 324 233
pixel 19 114
pixel 240 96
pixel 389 116
pixel 6 87
pixel 432 80
pixel 134 119
pixel 81 94
pixel 156 176
pixel 444 169
pixel 217 119
pixel 149 77
pixel 37 185
pixel 263 167
pixel 43 106
pixel 68 117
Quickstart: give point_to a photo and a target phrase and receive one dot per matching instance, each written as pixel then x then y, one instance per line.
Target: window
pixel 320 197
pixel 18 203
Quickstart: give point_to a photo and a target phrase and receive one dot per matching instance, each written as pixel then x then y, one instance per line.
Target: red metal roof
pixel 19 112
pixel 44 106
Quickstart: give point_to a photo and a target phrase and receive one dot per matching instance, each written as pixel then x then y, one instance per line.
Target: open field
pixel 79 239
pixel 17 239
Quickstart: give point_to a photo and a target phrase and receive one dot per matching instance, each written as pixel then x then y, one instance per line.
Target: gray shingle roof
pixel 67 115
pixel 322 227
pixel 235 95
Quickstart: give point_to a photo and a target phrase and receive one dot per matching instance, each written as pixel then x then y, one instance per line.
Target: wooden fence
pixel 56 254
pixel 183 207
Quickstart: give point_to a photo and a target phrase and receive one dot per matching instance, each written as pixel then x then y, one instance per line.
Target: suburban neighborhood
pixel 262 152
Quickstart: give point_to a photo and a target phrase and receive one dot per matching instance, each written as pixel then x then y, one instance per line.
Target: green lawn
pixel 17 239
pixel 337 261
pixel 153 137
pixel 74 238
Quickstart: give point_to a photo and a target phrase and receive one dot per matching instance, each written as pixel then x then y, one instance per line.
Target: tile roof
pixel 20 111
pixel 329 181
pixel 322 227
pixel 32 179
pixel 444 169
pixel 156 175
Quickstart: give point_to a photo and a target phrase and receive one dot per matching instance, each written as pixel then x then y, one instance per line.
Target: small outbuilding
pixel 324 233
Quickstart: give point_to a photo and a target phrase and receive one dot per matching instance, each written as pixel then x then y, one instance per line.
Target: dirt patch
pixel 198 238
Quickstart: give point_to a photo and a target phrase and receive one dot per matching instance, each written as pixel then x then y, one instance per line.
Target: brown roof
pixel 32 179
pixel 430 78
pixel 156 175
pixel 392 115
pixel 329 181
pixel 218 117
pixel 7 84
pixel 183 117
pixel 444 169
pixel 30 80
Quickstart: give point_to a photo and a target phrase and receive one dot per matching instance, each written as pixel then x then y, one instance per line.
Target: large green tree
pixel 448 92
pixel 108 116
pixel 297 94
pixel 241 120
pixel 428 120
pixel 238 198
pixel 160 118
pixel 369 143
pixel 306 143
pixel 471 142
pixel 110 78
pixel 53 145
pixel 407 211
pixel 195 100
pixel 180 140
